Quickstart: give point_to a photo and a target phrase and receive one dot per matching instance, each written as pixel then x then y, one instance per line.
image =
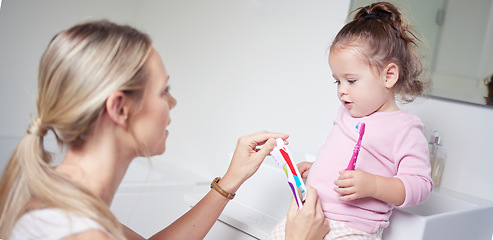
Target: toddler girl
pixel 373 59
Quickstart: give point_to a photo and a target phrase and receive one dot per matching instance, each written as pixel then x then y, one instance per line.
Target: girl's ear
pixel 391 73
pixel 117 108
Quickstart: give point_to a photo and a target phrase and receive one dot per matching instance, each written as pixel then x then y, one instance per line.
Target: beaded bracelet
pixel 221 191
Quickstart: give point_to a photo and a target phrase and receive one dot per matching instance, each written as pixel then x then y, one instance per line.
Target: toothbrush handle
pixel 352 162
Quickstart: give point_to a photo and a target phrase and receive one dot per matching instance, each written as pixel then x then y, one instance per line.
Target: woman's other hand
pixel 308 222
pixel 247 158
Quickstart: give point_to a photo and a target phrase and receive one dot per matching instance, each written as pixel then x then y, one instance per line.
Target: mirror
pixel 459 36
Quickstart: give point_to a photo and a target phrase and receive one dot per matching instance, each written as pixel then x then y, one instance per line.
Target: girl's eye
pixel 337 82
pixel 351 81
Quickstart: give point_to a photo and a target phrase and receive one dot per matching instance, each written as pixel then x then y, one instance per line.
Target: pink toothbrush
pixel 352 162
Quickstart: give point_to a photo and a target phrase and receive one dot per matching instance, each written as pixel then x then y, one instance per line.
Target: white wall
pixel 236 67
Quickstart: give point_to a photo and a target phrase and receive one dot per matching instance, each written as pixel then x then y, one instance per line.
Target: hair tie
pixel 36 128
pixel 371 16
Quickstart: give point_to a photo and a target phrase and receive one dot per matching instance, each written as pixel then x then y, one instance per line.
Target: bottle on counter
pixel 437 158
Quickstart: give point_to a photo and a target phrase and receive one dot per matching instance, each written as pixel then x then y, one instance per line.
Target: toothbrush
pixel 352 162
pixel 282 155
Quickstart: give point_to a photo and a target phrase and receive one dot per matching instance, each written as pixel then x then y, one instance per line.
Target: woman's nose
pixel 172 102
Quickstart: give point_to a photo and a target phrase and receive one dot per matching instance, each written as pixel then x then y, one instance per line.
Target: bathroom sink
pixel 445 215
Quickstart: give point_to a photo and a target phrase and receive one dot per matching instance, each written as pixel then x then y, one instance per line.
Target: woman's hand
pixel 304 168
pixel 308 222
pixel 247 158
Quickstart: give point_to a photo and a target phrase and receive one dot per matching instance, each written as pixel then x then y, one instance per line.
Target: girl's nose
pixel 342 89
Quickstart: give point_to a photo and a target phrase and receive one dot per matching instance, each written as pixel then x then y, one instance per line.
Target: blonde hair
pixel 80 68
pixel 380 32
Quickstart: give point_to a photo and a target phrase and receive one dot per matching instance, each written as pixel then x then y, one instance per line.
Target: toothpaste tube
pixel 284 159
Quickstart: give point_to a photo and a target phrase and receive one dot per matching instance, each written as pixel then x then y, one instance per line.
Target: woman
pixel 103 92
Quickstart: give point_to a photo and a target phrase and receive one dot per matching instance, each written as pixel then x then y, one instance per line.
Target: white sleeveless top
pixel 51 224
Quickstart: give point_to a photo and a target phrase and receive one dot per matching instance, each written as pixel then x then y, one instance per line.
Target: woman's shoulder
pixel 53 223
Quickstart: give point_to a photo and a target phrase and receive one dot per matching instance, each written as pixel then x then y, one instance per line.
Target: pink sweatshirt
pixel 393 146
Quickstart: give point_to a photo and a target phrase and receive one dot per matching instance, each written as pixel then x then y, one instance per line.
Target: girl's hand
pixel 359 184
pixel 308 222
pixel 304 168
pixel 247 158
pixel 355 185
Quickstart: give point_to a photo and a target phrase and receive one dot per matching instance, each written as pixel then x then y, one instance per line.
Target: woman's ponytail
pixel 29 158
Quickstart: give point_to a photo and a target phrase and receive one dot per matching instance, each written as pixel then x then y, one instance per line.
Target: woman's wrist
pixel 220 190
pixel 230 183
